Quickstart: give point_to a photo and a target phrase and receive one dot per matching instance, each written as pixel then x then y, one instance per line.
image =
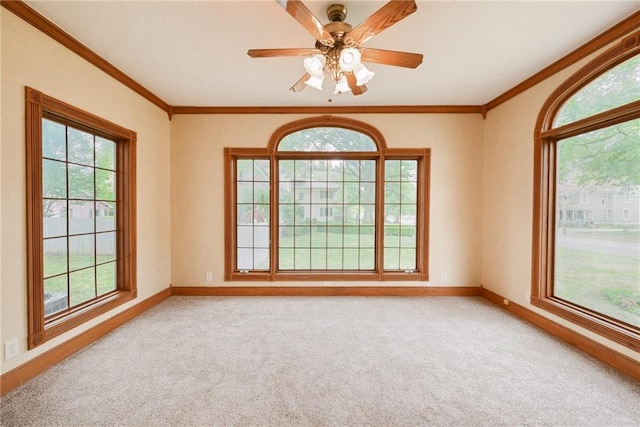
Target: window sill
pixel 619 332
pixel 325 276
pixel 58 325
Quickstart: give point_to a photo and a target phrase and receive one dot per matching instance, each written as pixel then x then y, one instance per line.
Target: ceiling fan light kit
pixel 342 86
pixel 337 53
pixel 349 59
pixel 315 65
pixel 363 75
pixel 315 81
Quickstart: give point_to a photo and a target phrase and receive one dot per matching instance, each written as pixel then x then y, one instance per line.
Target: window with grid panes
pixel 81 217
pixel 327 202
pixel 78 218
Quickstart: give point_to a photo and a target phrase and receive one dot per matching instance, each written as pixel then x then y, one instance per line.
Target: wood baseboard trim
pixel 34 367
pixel 23 373
pixel 623 363
pixel 404 291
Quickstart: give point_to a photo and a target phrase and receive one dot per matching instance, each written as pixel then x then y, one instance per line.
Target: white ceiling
pixel 194 53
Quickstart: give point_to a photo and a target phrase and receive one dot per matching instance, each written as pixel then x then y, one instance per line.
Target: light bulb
pixel 349 59
pixel 314 65
pixel 342 86
pixel 363 75
pixel 315 81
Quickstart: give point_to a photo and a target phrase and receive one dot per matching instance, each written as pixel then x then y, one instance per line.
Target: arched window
pixel 326 200
pixel 586 253
pixel 327 139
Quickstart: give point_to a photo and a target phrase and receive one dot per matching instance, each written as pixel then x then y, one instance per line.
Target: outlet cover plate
pixel 11 349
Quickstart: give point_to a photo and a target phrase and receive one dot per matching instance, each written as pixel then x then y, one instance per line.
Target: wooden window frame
pixel 39 106
pixel 422 155
pixel 546 138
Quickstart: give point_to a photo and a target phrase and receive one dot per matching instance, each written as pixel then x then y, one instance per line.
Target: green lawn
pixel 620 235
pixel 318 250
pixel 604 283
pixel 80 285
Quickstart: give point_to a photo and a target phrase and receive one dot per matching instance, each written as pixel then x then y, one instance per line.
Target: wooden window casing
pixel 39 106
pixel 422 156
pixel 546 139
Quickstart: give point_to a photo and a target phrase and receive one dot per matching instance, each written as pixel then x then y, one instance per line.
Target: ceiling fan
pixel 338 52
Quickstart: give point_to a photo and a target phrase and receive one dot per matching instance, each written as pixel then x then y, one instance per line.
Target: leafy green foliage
pixel 326 139
pixel 606 156
pixel 610 155
pixel 624 298
pixel 326 207
pixel 616 87
pixel 75 165
pixel 80 166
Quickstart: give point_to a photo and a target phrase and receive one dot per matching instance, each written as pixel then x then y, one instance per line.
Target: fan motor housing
pixel 336 12
pixel 338 29
pixel 336 26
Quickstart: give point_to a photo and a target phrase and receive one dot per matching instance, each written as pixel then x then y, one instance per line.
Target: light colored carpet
pixel 336 361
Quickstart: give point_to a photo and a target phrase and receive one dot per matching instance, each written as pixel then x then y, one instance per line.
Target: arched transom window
pixel 327 200
pixel 587 212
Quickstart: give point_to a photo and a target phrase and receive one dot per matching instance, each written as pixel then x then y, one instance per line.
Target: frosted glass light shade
pixel 315 81
pixel 314 65
pixel 342 86
pixel 349 59
pixel 363 75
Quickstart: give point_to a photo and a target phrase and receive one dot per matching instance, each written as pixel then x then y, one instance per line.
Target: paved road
pixel 592 244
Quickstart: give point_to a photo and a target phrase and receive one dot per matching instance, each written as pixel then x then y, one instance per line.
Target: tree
pixel 76 165
pixel 616 87
pixel 603 157
pixel 253 190
pixel 608 156
pixel 326 139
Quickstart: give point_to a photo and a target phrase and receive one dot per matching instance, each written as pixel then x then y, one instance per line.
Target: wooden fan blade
pixel 267 53
pixel 299 85
pixel 382 19
pixel 351 80
pixel 391 57
pixel 300 13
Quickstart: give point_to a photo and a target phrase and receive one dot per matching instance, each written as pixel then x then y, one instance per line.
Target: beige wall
pixel 180 182
pixel 1 211
pixel 508 198
pixel 197 143
pixel 30 58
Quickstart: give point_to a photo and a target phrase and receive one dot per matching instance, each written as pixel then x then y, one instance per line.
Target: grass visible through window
pixel 83 281
pixel 604 283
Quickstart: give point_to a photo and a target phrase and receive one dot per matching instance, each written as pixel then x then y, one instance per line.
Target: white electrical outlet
pixel 11 349
pixel 444 276
pixel 208 276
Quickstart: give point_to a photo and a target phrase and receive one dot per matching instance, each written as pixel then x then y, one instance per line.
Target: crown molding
pixel 25 12
pixel 623 27
pixel 376 109
pixel 29 15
